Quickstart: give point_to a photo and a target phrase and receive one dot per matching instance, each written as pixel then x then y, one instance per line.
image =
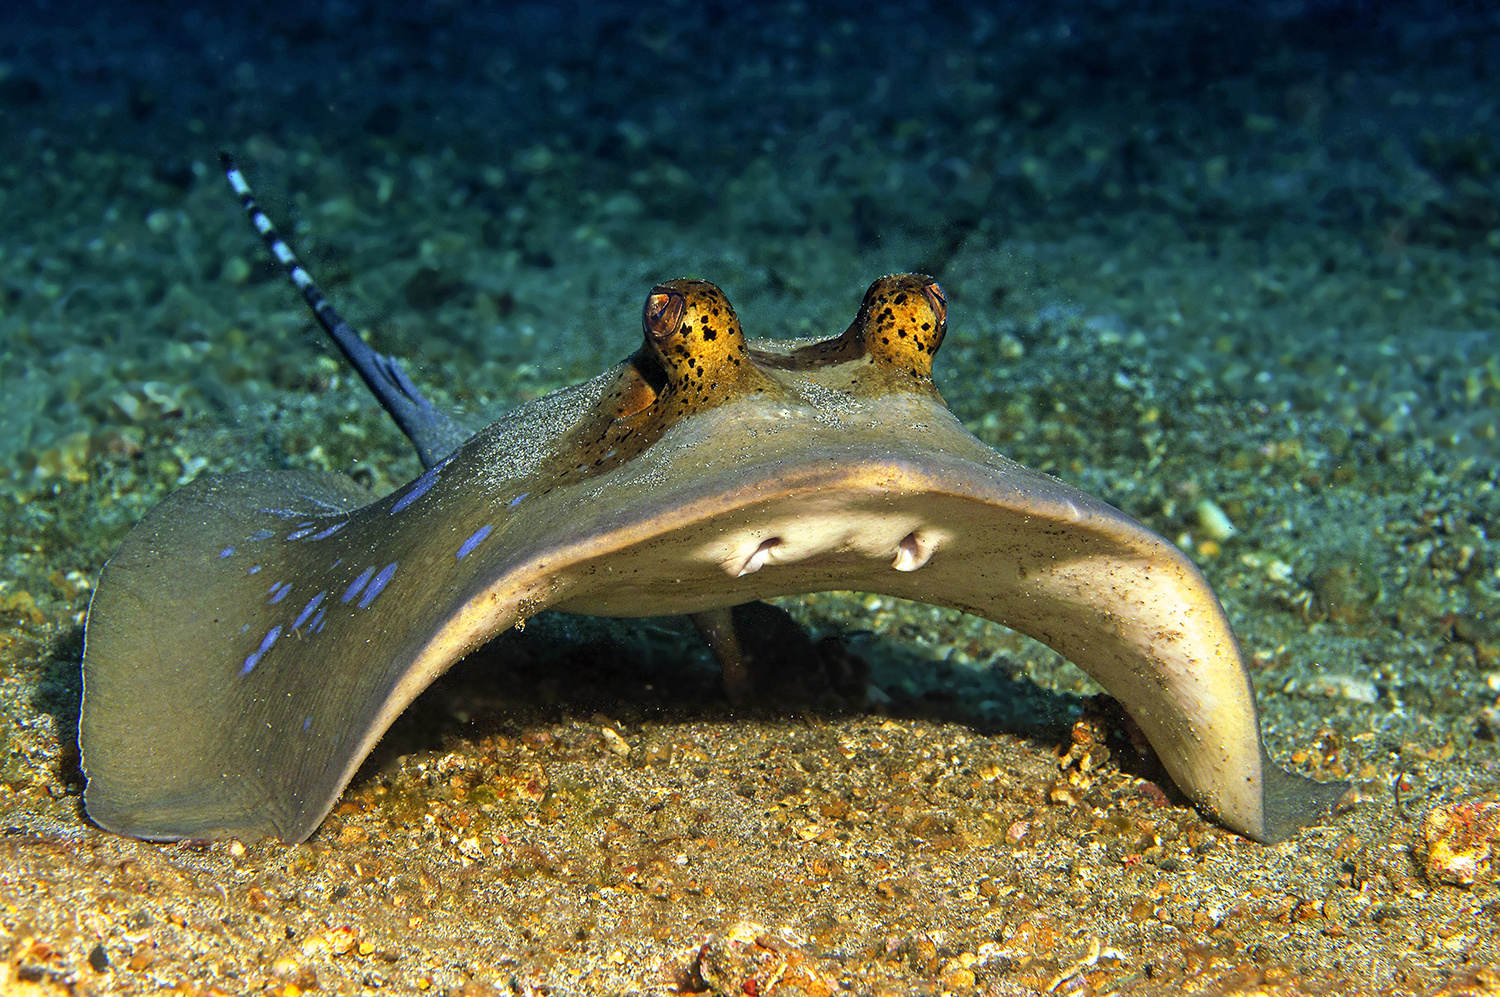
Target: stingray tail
pixel 434 434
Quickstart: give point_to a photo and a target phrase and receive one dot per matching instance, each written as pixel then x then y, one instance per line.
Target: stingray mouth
pixel 900 543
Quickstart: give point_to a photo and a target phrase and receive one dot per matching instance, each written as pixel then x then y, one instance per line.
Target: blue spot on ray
pixel 253 569
pixel 306 722
pixel 260 535
pixel 317 624
pixel 298 534
pixel 377 584
pixel 278 591
pixel 475 539
pixel 419 488
pixel 357 584
pixel 307 610
pixel 516 501
pixel 254 657
pixel 325 534
pixel 227 552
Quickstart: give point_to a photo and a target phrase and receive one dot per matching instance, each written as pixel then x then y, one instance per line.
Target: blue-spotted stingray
pixel 256 633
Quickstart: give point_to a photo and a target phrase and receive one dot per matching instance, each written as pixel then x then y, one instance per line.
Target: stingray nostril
pixel 761 556
pixel 913 552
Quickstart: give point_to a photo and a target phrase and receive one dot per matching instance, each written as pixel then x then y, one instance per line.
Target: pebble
pixel 1457 843
pixel 748 959
pixel 1214 521
pixel 1335 686
pixel 615 742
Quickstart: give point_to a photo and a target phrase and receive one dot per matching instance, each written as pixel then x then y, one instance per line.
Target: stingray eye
pixel 663 314
pixel 938 299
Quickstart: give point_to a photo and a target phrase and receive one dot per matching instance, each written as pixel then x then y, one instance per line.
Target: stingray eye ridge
pixel 901 324
pixel 695 339
pixel 662 316
pixel 938 300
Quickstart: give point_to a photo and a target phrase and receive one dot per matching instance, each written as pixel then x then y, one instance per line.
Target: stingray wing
pixel 180 738
pixel 256 634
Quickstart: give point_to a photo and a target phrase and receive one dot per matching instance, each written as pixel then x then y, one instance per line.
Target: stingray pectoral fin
pixel 238 645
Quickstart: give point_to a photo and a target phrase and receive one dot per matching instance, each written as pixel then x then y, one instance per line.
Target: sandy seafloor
pixel 1242 254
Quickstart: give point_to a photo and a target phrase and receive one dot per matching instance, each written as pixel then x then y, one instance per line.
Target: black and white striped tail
pixel 434 434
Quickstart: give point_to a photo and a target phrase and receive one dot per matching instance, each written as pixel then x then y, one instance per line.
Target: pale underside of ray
pixel 235 694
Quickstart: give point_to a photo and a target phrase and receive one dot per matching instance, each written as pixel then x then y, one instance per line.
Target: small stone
pixel 1064 795
pixel 615 742
pixel 129 405
pixel 20 605
pixel 342 939
pixel 537 159
pixel 748 959
pixel 1214 521
pixel 1458 843
pixel 1335 686
pixel 959 978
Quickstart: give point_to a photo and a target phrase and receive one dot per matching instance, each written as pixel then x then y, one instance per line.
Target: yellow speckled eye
pixel 902 322
pixel 663 314
pixel 692 330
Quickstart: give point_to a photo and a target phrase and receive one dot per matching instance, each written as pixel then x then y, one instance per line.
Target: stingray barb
pixel 256 633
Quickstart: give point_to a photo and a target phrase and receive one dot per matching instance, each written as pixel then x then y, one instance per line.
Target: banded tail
pixel 432 433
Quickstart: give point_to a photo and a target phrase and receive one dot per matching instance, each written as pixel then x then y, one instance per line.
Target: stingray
pixel 256 633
